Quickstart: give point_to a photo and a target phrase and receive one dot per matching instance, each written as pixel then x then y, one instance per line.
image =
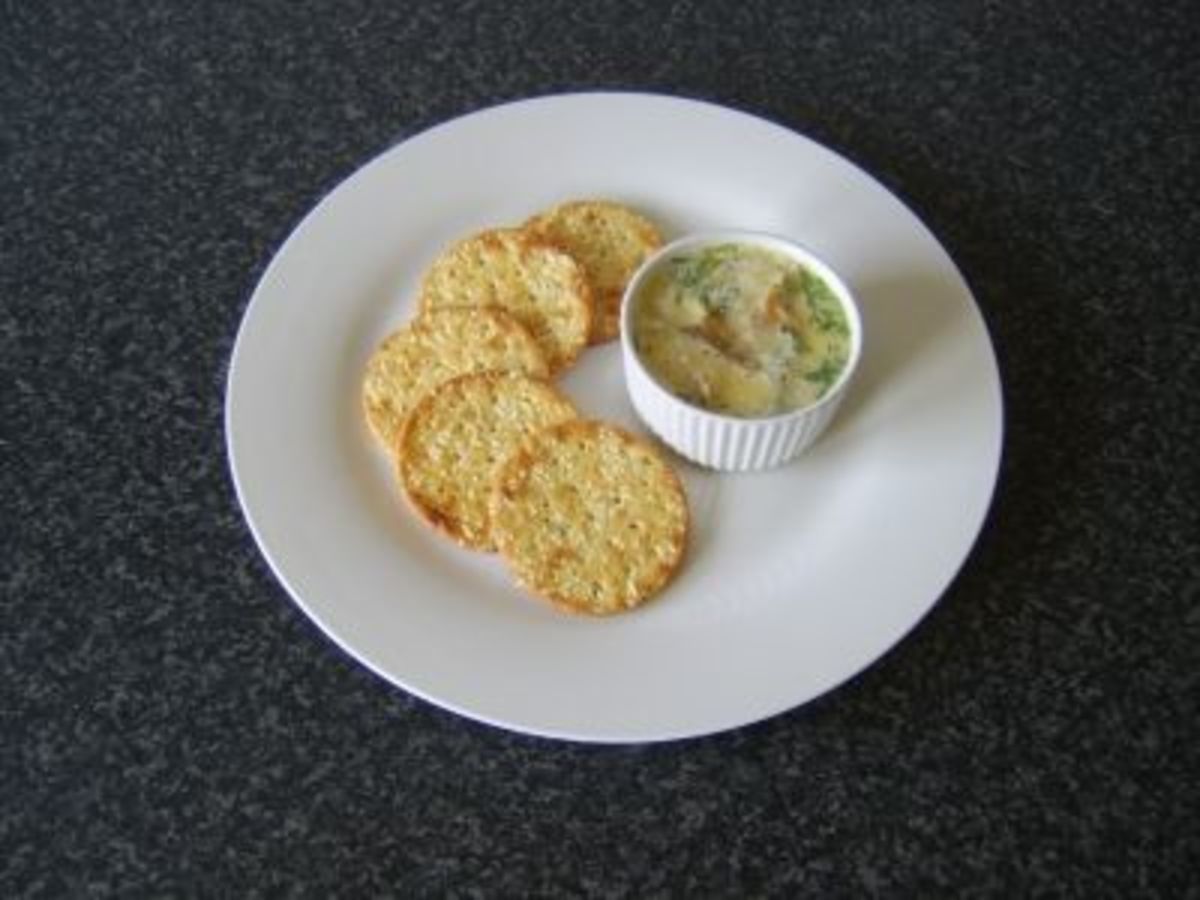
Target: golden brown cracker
pixel 589 517
pixel 540 285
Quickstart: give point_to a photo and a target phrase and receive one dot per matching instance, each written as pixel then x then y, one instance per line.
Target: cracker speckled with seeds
pixel 455 440
pixel 435 348
pixel 542 286
pixel 590 517
pixel 610 241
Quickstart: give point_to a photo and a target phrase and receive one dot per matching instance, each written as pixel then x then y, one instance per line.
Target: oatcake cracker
pixel 610 241
pixel 589 517
pixel 434 348
pixel 455 439
pixel 540 285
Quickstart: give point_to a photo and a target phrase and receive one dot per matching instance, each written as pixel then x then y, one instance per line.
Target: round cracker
pixel 435 348
pixel 455 440
pixel 610 241
pixel 589 517
pixel 540 285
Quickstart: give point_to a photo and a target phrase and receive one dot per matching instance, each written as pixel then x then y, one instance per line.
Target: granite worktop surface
pixel 173 725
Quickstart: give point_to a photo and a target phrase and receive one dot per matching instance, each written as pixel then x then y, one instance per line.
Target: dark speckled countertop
pixel 174 726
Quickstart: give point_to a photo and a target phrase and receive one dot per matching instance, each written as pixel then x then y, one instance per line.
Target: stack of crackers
pixel 489 452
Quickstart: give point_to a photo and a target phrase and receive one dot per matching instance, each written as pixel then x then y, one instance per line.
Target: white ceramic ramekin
pixel 726 442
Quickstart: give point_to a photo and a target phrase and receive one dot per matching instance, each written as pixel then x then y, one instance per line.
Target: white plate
pixel 796 579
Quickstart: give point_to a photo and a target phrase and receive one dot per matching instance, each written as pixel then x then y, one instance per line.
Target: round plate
pixel 795 579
